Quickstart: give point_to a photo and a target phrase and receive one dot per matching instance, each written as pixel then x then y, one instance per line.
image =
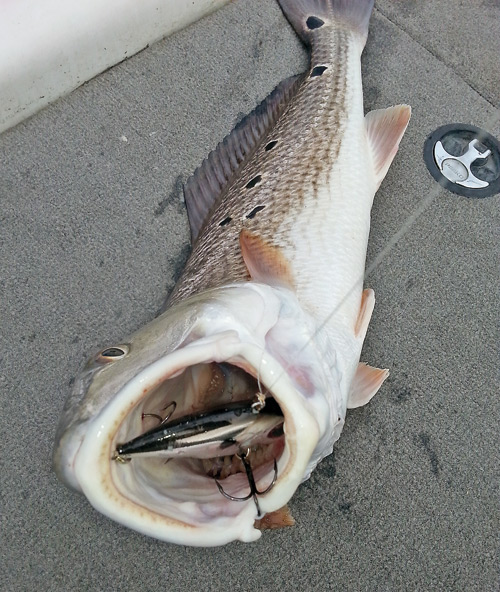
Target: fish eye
pixel 111 354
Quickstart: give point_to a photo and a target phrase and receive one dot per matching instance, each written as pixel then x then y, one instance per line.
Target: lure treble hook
pixel 161 420
pixel 254 492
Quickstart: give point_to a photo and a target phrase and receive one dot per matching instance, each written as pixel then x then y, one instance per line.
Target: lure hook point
pixel 254 492
pixel 161 420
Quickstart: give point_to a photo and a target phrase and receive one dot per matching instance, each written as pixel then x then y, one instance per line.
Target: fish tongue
pixel 206 385
pixel 213 385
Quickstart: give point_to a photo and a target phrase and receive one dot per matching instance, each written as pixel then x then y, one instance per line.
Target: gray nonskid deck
pixel 94 234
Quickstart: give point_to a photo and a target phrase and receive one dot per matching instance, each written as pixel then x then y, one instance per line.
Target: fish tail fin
pixel 310 17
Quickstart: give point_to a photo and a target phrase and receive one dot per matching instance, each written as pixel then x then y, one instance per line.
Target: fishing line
pixel 405 228
pixel 258 370
pixel 407 224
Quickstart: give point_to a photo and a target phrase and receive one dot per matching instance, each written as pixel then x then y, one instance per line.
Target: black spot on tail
pixel 313 22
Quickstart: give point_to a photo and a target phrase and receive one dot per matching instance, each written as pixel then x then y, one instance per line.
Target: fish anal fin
pixel 265 262
pixel 365 384
pixel 277 519
pixel 385 128
pixel 203 189
pixel 365 313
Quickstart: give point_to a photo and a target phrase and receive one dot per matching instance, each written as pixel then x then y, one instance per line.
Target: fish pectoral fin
pixel 365 385
pixel 385 128
pixel 277 519
pixel 365 313
pixel 265 262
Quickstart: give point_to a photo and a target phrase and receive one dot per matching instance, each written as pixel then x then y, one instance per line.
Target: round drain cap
pixel 464 159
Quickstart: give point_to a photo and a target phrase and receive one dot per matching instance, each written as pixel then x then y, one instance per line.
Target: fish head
pixel 224 345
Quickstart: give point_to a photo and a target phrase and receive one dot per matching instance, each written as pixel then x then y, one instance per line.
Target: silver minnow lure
pixel 220 432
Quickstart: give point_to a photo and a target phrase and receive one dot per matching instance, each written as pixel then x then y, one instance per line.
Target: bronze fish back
pixel 266 195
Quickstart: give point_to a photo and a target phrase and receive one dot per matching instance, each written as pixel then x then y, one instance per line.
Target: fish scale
pixel 295 176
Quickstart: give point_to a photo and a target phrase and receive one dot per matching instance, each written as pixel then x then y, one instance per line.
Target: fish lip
pixel 70 433
pixel 65 455
pixel 88 466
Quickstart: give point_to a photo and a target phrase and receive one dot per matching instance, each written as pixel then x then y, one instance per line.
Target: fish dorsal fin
pixel 204 187
pixel 265 263
pixel 365 313
pixel 365 384
pixel 385 128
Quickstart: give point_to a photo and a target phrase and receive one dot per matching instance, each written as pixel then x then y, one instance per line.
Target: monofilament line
pixel 396 237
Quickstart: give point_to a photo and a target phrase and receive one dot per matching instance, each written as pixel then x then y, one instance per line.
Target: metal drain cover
pixel 464 159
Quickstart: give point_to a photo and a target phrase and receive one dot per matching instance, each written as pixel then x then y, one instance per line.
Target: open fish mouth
pixel 176 496
pixel 219 442
pixel 269 306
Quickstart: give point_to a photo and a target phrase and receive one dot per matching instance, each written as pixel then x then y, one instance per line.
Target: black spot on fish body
pixel 314 22
pixel 253 182
pixel 270 145
pixel 226 221
pixel 227 443
pixel 318 71
pixel 255 211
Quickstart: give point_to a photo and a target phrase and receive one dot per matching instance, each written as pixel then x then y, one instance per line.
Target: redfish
pixel 270 310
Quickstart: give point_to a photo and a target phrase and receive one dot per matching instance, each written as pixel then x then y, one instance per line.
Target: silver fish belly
pixel 270 305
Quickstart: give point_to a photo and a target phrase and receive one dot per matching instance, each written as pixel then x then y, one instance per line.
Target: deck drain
pixel 464 159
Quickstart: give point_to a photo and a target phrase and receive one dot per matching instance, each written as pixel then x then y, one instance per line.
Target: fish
pixel 270 309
